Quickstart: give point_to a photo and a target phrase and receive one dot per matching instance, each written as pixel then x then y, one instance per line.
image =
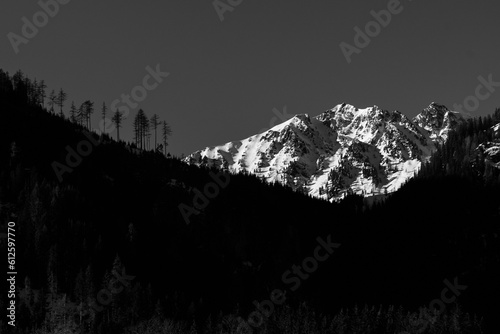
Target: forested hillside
pixel 118 211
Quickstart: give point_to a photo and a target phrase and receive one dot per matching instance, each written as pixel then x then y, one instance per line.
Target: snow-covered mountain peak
pixel 297 121
pixel 342 150
pixel 439 120
pixel 348 111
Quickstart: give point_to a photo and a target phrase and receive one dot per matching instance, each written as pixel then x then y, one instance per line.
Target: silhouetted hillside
pixel 118 211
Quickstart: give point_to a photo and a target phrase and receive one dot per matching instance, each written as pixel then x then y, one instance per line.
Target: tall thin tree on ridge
pixel 104 111
pixel 117 119
pixel 166 132
pixel 155 121
pixel 60 99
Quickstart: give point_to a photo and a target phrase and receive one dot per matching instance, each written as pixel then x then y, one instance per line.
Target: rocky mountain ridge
pixel 343 150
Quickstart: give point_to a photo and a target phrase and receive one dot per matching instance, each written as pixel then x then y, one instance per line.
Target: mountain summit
pixel 439 120
pixel 344 150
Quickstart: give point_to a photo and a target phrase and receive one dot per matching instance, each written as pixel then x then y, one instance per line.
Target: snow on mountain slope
pixel 491 150
pixel 496 129
pixel 439 120
pixel 344 150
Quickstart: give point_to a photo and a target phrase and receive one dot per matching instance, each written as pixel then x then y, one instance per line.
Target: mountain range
pixel 83 236
pixel 344 150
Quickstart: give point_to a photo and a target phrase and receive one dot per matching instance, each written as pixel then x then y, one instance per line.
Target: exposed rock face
pixel 343 150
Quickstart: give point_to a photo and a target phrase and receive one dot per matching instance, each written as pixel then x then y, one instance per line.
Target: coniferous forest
pixel 102 246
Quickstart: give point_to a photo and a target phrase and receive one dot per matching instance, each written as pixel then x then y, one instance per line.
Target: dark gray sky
pixel 226 77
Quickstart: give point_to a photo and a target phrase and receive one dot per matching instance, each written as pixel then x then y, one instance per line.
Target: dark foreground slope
pixel 118 212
